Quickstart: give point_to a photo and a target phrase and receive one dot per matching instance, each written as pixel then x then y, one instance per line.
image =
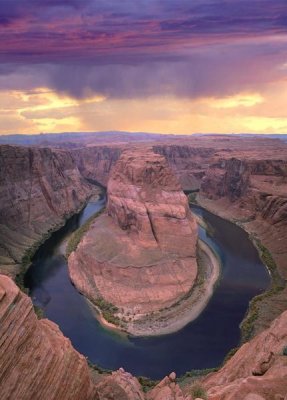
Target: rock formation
pixel 141 255
pixel 258 368
pixel 39 188
pixel 36 360
pixel 145 200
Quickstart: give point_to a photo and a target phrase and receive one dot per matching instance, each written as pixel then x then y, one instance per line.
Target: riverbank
pixel 264 308
pixel 187 309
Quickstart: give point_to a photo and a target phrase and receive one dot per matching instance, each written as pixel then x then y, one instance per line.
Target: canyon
pixel 241 179
pixel 38 362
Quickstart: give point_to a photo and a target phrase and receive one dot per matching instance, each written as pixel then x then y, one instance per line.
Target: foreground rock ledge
pixel 139 256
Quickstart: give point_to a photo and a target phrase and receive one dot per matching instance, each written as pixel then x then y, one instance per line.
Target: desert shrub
pixel 79 233
pixel 146 383
pixel 284 351
pixel 192 198
pixel 198 391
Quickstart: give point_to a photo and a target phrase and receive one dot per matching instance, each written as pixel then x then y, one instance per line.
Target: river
pixel 203 343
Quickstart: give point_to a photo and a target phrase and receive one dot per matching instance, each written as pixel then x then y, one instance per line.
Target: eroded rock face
pixel 141 254
pixel 145 199
pixel 120 386
pixel 167 389
pixel 36 360
pixel 38 189
pixel 253 190
pixel 257 370
pixel 95 162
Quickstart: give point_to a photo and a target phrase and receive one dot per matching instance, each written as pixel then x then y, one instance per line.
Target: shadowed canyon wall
pixel 39 188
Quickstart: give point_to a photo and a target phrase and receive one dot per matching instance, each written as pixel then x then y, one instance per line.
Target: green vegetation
pixel 196 373
pixel 79 233
pixel 230 354
pixel 147 383
pixel 19 280
pixel 39 312
pixel 192 198
pixel 284 352
pixel 198 391
pixel 108 310
pixel 99 369
pixel 277 285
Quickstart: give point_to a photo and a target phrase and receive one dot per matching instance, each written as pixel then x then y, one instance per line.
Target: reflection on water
pixel 201 344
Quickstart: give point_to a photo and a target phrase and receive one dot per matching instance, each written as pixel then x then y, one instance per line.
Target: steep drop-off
pixel 141 255
pixel 39 188
pixel 36 360
pixel 258 368
pixel 188 163
pixel 253 192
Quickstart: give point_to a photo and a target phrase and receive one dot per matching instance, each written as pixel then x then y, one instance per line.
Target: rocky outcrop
pixel 36 360
pixel 167 389
pixel 141 255
pixel 259 368
pixel 120 385
pixel 39 188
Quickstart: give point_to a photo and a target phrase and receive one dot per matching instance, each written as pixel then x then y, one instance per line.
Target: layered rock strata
pixel 36 360
pixel 253 192
pixel 39 188
pixel 141 255
pixel 258 369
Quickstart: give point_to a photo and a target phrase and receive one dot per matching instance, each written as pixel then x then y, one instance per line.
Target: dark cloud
pixel 138 48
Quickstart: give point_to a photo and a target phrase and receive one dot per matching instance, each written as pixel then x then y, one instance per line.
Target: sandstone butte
pixel 38 362
pixel 141 254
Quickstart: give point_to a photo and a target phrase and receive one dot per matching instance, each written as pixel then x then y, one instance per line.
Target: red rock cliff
pixel 36 361
pixel 38 189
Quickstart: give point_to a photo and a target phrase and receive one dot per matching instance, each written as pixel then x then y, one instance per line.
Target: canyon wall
pixel 258 370
pixel 39 188
pixel 95 162
pixel 36 360
pixel 253 192
pixel 188 162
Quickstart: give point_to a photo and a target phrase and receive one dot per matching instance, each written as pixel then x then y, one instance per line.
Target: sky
pixel 167 66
